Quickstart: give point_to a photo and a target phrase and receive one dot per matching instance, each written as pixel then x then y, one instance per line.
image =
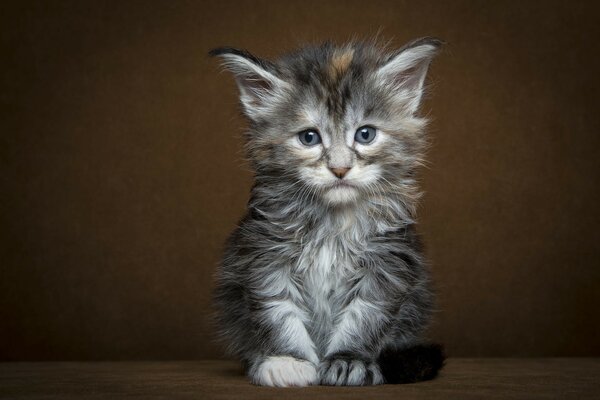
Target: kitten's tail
pixel 414 364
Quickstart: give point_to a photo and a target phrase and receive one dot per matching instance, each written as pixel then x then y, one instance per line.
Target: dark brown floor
pixel 550 378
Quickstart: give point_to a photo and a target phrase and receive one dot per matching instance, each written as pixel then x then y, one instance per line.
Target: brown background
pixel 122 171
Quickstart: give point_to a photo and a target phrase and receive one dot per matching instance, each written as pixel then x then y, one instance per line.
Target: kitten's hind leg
pixel 283 371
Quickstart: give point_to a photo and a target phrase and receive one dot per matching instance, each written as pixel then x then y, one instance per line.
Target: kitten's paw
pixel 285 371
pixel 341 370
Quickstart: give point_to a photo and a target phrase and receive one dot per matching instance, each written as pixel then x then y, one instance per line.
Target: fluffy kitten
pixel 324 281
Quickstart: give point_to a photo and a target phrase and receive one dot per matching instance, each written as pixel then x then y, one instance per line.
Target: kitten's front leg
pixel 348 360
pixel 288 357
pixel 357 338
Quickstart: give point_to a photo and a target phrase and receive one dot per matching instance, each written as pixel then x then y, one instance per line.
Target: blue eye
pixel 309 137
pixel 365 135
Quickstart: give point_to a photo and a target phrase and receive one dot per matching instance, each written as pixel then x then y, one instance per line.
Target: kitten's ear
pixel 256 79
pixel 403 74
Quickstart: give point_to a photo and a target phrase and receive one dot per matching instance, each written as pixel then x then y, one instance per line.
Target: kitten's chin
pixel 340 195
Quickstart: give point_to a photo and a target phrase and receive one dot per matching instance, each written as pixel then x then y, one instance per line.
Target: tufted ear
pixel 403 74
pixel 256 79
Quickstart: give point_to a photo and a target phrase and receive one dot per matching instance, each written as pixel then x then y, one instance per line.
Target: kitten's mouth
pixel 340 183
pixel 341 192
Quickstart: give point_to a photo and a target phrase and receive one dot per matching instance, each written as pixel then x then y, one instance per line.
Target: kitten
pixel 323 282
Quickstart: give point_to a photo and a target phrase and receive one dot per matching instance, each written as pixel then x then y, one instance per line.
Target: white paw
pixel 285 371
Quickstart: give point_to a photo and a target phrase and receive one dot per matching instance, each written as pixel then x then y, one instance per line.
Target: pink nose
pixel 340 172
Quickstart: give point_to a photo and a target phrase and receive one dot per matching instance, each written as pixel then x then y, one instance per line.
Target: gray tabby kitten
pixel 324 281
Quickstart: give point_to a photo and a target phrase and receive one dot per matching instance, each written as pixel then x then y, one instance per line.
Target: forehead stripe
pixel 340 61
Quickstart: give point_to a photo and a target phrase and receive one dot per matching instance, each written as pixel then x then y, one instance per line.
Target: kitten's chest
pixel 329 262
pixel 327 271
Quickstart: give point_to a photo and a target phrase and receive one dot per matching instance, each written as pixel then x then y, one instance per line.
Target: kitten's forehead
pixel 331 79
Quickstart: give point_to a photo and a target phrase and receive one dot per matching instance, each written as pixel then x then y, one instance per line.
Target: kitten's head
pixel 338 122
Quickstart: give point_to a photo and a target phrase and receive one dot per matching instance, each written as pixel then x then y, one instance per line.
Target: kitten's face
pixel 336 123
pixel 340 160
pixel 340 156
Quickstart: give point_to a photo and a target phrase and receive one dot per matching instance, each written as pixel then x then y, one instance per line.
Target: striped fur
pixel 324 274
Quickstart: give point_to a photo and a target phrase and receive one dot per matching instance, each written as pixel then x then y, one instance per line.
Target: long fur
pixel 321 283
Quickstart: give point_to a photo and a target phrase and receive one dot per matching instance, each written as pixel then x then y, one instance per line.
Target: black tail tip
pixel 414 364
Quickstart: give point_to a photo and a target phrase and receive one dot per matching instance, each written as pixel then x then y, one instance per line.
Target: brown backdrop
pixel 122 171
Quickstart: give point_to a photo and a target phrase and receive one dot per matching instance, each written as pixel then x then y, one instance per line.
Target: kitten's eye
pixel 309 137
pixel 365 135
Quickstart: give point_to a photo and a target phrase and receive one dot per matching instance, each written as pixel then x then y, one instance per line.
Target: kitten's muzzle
pixel 340 172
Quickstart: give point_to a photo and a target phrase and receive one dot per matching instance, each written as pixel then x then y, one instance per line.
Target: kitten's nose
pixel 340 172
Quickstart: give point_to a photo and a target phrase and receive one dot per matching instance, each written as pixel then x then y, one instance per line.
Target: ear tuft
pixel 222 51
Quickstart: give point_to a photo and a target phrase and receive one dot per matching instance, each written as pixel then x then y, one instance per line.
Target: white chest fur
pixel 326 275
pixel 326 269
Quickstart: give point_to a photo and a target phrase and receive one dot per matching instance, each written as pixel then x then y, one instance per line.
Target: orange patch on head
pixel 340 61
